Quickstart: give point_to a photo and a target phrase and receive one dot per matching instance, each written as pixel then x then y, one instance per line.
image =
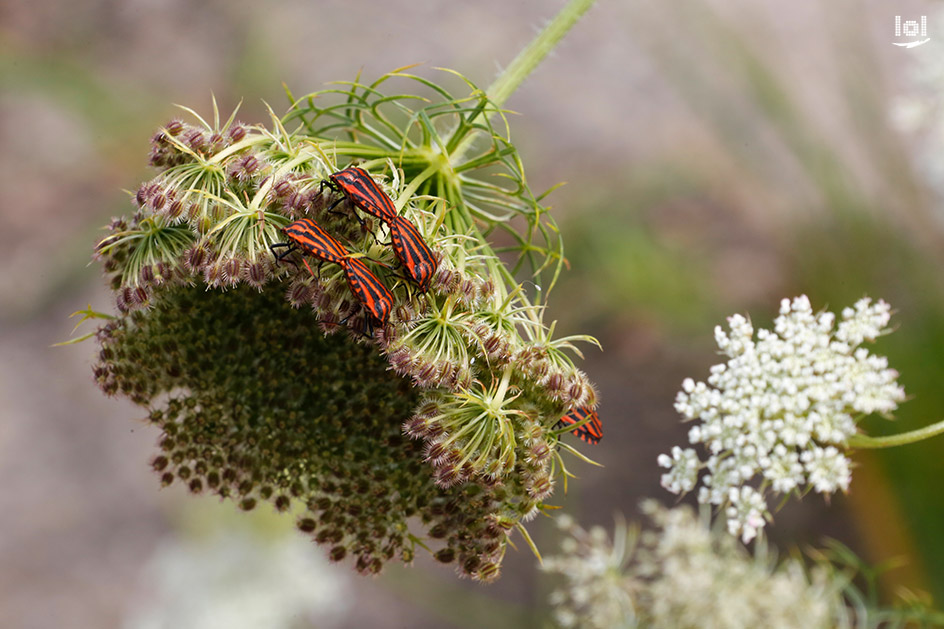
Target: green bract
pixel 235 358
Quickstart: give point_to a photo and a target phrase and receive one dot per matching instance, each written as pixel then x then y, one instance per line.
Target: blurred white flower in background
pixel 236 579
pixel 680 574
pixel 778 415
pixel 596 592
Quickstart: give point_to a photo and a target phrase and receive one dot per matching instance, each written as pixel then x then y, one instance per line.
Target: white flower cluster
pixel 595 595
pixel 776 417
pixel 681 574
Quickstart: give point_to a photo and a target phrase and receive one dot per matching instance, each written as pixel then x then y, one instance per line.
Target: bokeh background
pixel 719 156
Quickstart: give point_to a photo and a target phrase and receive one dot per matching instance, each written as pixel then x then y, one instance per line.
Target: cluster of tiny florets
pixel 776 418
pixel 441 415
pixel 682 574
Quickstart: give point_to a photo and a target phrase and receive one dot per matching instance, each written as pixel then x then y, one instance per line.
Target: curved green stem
pixel 526 61
pixel 905 438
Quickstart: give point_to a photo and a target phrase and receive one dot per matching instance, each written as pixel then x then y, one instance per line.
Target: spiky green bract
pixel 226 347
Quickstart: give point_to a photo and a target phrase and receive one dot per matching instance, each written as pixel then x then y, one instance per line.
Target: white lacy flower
pixel 776 417
pixel 684 465
pixel 680 573
pixel 595 596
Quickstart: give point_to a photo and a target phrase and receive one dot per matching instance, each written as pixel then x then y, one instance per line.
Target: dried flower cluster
pixel 777 416
pixel 682 574
pixel 234 355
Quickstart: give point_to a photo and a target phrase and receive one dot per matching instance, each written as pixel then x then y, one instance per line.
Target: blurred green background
pixel 719 156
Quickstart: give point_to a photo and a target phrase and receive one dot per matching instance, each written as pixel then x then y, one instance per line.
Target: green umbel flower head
pixel 435 428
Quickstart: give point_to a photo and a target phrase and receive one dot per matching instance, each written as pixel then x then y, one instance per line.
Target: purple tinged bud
pixel 245 168
pixel 193 212
pixel 539 452
pixel 195 139
pixel 496 347
pixel 174 127
pixel 232 270
pixel 401 361
pixel 434 430
pixel 446 477
pixel 425 374
pixel 428 409
pixel 196 257
pixel 147 274
pixel 297 204
pixel 445 280
pixel 158 201
pixel 468 292
pixel 486 289
pixel 406 313
pixel 282 189
pixel 175 209
pixel 164 273
pixel 256 274
pixel 299 293
pixel 329 323
pixel 386 335
pixel 554 383
pixel 237 132
pixel 124 299
pixel 540 488
pixel 212 274
pixel 489 571
pixel 217 141
pixel 436 453
pixel 415 427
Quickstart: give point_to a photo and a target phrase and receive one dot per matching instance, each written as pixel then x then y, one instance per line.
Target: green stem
pixel 529 58
pixel 410 190
pixel 526 61
pixel 905 438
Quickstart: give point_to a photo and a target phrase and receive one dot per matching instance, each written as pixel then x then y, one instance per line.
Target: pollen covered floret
pixel 777 416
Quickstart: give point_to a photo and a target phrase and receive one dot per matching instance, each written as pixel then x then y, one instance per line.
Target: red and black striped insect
pixel 590 432
pixel 368 290
pixel 412 251
pixel 307 235
pixel 408 246
pixel 363 191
